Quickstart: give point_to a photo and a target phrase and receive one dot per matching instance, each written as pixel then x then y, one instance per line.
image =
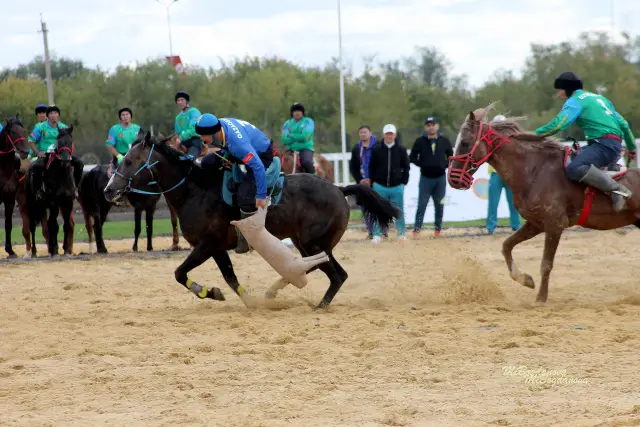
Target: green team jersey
pixel 595 114
pixel 45 136
pixel 185 124
pixel 298 136
pixel 121 137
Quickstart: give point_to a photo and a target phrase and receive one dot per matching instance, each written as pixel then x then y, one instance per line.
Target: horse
pixel 312 212
pixel 95 209
pixel 324 168
pixel 58 197
pixel 533 167
pixel 13 147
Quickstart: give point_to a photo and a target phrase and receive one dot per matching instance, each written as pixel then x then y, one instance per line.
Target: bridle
pixel 464 175
pixel 58 151
pixel 13 142
pixel 147 165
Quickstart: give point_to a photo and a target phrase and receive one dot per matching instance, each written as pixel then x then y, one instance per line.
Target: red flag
pixel 177 63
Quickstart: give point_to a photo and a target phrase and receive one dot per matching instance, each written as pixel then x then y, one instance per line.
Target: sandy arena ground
pixel 424 333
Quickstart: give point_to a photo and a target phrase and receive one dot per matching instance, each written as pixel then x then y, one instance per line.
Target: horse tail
pixel 377 208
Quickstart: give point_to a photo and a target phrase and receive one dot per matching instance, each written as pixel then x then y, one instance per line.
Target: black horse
pixel 13 147
pixel 313 213
pixel 96 207
pixel 58 195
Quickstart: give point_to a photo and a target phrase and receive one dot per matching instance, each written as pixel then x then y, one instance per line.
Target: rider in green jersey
pixel 604 129
pixel 121 136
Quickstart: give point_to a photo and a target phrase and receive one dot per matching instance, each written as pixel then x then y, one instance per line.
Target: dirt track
pixel 423 333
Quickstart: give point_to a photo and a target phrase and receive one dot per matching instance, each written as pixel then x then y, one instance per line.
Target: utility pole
pixel 343 125
pixel 47 61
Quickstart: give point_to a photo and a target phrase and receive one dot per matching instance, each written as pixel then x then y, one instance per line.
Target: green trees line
pixel 260 90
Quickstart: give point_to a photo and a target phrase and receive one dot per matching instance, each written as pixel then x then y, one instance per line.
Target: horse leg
pixel 337 276
pixel 526 232
pixel 175 245
pixel 53 231
pixel 9 203
pixel 198 255
pixel 97 227
pixel 149 223
pixel 68 227
pixel 226 268
pixel 89 225
pixel 137 228
pixel 45 229
pixel 26 234
pixel 551 241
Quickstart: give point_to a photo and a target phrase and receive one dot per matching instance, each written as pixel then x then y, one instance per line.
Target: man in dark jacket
pixel 431 154
pixel 389 173
pixel 359 164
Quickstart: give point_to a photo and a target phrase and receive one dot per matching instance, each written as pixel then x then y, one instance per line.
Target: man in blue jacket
pixel 359 165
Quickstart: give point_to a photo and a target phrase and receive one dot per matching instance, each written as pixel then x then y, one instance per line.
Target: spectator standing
pixel 495 191
pixel 359 165
pixel 431 152
pixel 389 173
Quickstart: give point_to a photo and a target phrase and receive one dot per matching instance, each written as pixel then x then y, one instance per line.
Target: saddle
pixel 232 179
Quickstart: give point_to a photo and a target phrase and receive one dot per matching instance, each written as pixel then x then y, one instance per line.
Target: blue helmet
pixel 41 108
pixel 207 124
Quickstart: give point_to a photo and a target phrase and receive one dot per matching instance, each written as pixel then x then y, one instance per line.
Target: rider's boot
pixel 604 182
pixel 243 246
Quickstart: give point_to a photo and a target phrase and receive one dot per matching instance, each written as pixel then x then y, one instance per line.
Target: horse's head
pixel 64 145
pixel 139 168
pixel 476 142
pixel 13 138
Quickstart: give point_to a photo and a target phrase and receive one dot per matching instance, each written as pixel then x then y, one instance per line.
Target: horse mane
pixel 196 174
pixel 511 126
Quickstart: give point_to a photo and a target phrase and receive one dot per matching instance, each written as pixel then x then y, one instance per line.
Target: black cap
pixel 431 119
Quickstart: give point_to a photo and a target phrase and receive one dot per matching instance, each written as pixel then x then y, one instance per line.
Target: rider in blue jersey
pixel 245 144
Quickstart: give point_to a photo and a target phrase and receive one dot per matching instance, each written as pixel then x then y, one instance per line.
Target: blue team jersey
pixel 246 142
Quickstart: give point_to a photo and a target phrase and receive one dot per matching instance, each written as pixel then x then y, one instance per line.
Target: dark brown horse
pixel 13 142
pixel 58 196
pixel 533 167
pixel 312 212
pixel 95 208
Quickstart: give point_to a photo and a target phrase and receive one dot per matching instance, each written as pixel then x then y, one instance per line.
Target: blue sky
pixel 478 36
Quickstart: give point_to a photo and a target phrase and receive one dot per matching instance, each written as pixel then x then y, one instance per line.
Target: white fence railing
pixel 341 160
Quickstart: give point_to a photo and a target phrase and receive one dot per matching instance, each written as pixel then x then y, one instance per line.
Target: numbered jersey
pixel 592 112
pixel 242 138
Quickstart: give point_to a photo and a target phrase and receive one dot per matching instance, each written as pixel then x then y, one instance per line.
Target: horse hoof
pixel 176 248
pixel 528 282
pixel 11 256
pixel 27 255
pixel 216 294
pixel 540 303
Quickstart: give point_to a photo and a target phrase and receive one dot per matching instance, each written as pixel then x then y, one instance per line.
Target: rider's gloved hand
pixel 120 157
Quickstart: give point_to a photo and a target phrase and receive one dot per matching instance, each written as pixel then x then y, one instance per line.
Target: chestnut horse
pixel 533 167
pixel 324 168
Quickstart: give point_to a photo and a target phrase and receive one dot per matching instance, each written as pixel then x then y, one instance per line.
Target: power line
pixel 47 61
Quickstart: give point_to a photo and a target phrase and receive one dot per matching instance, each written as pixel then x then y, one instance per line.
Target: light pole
pixel 343 132
pixel 168 6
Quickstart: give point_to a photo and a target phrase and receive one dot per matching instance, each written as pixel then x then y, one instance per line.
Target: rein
pixel 463 175
pixel 147 165
pixel 13 144
pixel 56 154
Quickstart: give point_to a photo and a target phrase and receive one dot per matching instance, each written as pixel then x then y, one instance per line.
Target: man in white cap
pixel 495 192
pixel 389 173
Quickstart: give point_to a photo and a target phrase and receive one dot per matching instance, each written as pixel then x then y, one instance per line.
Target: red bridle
pixel 462 176
pixel 13 144
pixel 56 154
